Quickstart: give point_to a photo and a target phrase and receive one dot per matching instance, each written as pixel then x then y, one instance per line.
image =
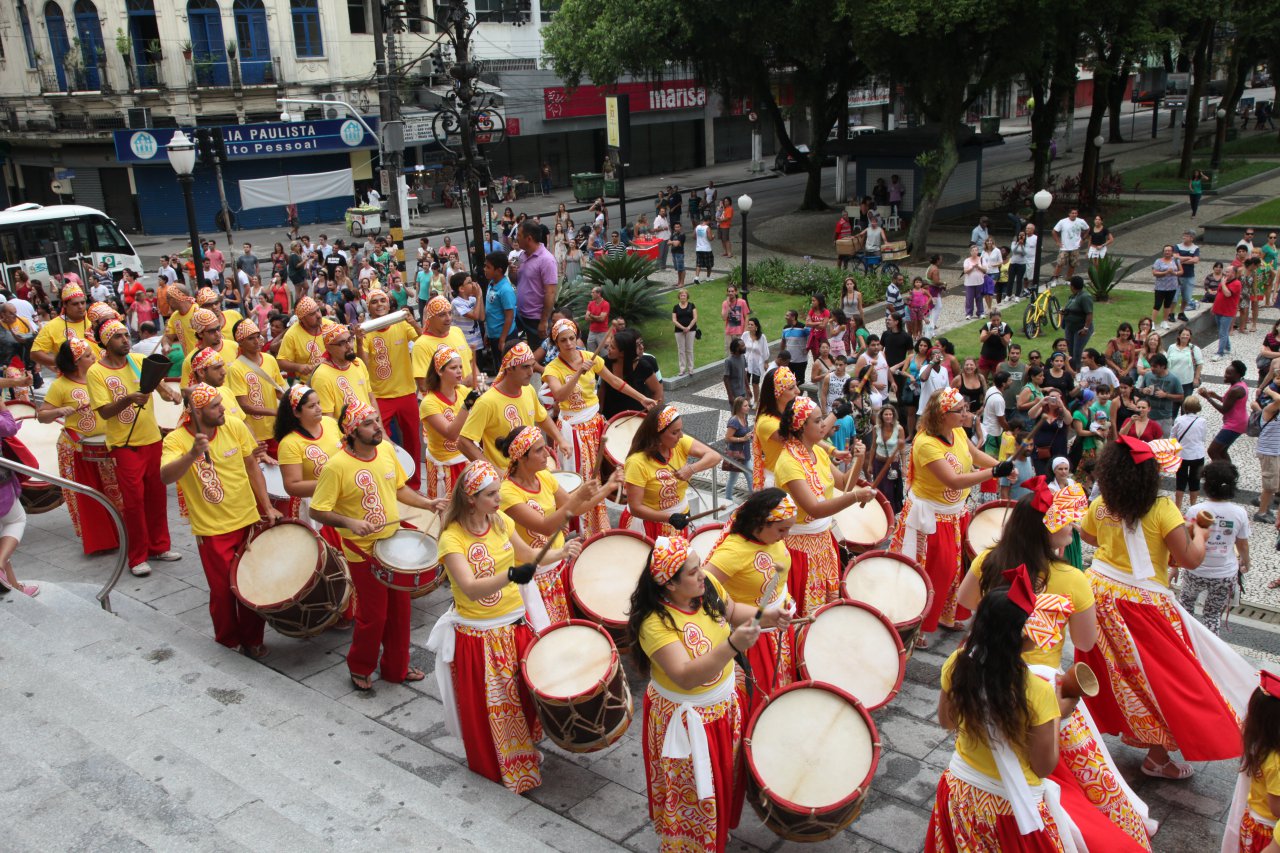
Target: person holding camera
pixel 995 336
pixel 1050 440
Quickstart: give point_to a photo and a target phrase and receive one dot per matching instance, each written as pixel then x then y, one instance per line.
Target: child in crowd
pixel 1088 478
pixel 1226 553
pixel 845 427
pixel 1023 467
pixel 919 304
pixel 735 370
pixel 737 439
pixel 1255 805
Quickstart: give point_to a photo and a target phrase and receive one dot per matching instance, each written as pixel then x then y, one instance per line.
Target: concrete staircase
pixel 136 732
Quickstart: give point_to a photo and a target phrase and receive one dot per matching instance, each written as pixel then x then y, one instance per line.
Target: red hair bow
pixel 1041 496
pixel 1020 591
pixel 1139 450
pixel 1270 683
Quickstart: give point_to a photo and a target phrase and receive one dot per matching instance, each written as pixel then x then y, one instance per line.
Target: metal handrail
pixel 122 554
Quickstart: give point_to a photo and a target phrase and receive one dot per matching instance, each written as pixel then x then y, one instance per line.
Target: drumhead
pixel 40 439
pixel 889 585
pixel 606 573
pixel 618 435
pixel 407 550
pixel 863 524
pixel 818 763
pixel 423 519
pixel 275 481
pixel 167 414
pixel 704 539
pixel 986 527
pixel 568 480
pixel 278 562
pixel 873 673
pixel 569 660
pixel 406 460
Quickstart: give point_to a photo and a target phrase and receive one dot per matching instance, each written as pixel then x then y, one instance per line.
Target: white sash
pixel 923 518
pixel 441 643
pixel 1234 676
pixel 686 733
pixel 1047 790
pixel 535 607
pixel 581 416
pixel 1135 542
pixel 813 525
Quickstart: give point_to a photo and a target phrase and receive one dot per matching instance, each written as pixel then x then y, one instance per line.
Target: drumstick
pixel 537 561
pixel 200 429
pixel 766 597
pixel 704 513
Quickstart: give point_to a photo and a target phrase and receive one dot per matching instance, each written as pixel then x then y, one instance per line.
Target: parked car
pixel 854 130
pixel 788 165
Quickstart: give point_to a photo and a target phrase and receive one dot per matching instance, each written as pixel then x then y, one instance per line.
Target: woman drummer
pixel 68 398
pixel 805 472
pixel 480 641
pixel 686 633
pixel 657 472
pixel 444 412
pixel 1109 814
pixel 1163 691
pixel 540 508
pixel 934 517
pixel 571 378
pixel 749 554
pixel 992 796
pixel 777 389
pixel 306 440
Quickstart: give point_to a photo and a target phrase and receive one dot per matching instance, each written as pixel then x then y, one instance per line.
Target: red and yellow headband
pixel 71 291
pixel 206 296
pixel 668 557
pixel 296 395
pixel 443 355
pixel 516 356
pixel 783 379
pixel 523 442
pixel 949 398
pixel 101 311
pixel 246 330
pixel 786 509
pixel 436 306
pixel 1044 627
pixel 801 408
pixel 478 476
pixel 667 417
pixel 205 320
pixel 110 329
pixel 561 326
pixel 207 357
pixel 306 305
pixel 1068 507
pixel 355 414
pixel 1269 683
pixel 335 334
pixel 178 296
pixel 79 348
pixel 202 395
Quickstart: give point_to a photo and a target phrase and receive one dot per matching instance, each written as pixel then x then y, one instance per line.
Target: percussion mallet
pixel 195 416
pixel 703 514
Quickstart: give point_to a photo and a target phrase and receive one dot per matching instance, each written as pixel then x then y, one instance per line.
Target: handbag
pixel 697 333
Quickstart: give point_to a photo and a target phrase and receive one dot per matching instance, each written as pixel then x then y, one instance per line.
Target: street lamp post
pixel 744 207
pixel 1042 200
pixel 1219 137
pixel 1097 165
pixel 182 157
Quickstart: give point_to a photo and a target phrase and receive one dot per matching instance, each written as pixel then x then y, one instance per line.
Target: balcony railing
pixel 150 76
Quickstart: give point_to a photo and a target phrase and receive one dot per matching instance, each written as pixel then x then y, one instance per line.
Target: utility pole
pixel 465 72
pixel 386 18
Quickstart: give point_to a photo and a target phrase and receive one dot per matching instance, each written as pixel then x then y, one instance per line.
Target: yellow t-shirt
pixel 244 381
pixel 790 469
pixel 106 385
pixel 1267 782
pixel 300 346
pixel 441 450
pixel 229 319
pixel 697 632
pixel 387 355
pixel 495 414
pixel 219 497
pixel 358 489
pixel 20 326
pixel 927 449
pixel 1064 580
pixel 749 566
pixel 68 392
pixel 53 335
pixel 229 350
pixel 179 328
pixel 662 489
pixel 297 449
pixel 424 348
pixel 487 556
pixel 1008 446
pixel 765 428
pixel 1162 519
pixel 542 501
pixel 337 387
pixel 584 396
pixel 1042 703
pixel 229 403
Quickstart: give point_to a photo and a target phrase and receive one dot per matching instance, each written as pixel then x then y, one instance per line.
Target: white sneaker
pixel 1164 325
pixel 141 570
pixel 1215 357
pixel 168 557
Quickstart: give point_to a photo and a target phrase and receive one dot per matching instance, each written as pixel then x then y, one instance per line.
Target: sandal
pixel 414 674
pixel 363 683
pixel 1160 771
pixel 922 642
pixel 1275 584
pixel 258 652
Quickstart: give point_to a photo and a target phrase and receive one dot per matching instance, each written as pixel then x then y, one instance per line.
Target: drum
pixel 421 519
pixel 292 578
pixel 853 646
pixel 605 574
pixel 704 539
pixel 406 460
pixel 863 528
pixel 42 441
pixel 986 527
pixel 893 584
pixel 408 561
pixel 275 482
pixel 168 415
pixel 578 686
pixel 811 751
pixel 570 481
pixel 616 444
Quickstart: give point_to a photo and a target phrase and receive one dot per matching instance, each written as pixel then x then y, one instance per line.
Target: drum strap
pixel 686 735
pixel 441 643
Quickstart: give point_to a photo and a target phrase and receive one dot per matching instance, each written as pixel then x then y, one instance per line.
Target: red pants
pixel 146 514
pixel 404 410
pixel 97 530
pixel 234 624
pixel 382 624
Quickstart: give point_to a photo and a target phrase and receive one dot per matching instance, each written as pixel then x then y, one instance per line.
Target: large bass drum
pixel 573 672
pixel 292 578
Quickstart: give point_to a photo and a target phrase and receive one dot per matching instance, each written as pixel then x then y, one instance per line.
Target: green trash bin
pixel 611 188
pixel 989 125
pixel 587 186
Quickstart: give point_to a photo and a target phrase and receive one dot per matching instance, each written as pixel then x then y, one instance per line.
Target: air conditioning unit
pixel 332 112
pixel 140 117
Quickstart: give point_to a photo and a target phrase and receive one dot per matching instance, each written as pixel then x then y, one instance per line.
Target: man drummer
pixel 509 403
pixel 255 380
pixel 133 442
pixel 386 352
pixel 357 493
pixel 302 347
pixel 207 297
pixel 439 330
pixel 341 377
pixel 177 329
pixel 208 328
pixel 211 458
pixel 71 323
pixel 207 367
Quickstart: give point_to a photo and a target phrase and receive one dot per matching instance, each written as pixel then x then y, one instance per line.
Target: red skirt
pixel 814 578
pixel 967 819
pixel 652 529
pixel 97 530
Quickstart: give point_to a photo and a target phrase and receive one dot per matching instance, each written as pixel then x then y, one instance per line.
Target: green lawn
pixel 1249 143
pixel 1124 305
pixel 1123 210
pixel 1264 214
pixel 1164 175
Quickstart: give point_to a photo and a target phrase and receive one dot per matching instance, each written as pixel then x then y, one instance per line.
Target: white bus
pixel 42 241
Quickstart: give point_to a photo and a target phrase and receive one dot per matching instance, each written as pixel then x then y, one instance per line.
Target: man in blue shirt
pixel 492 244
pixel 499 305
pixel 1189 254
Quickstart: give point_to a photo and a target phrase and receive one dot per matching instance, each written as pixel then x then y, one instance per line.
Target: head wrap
pixel 71 291
pixel 443 355
pixel 374 293
pixel 244 331
pixel 783 379
pixel 1044 626
pixel 1059 460
pixel 205 320
pixel 1168 454
pixel 101 311
pixel 178 296
pixel 1041 494
pixel 335 333
pixel 785 509
pixel 206 357
pixel 949 398
pixel 436 306
pixel 203 395
pixel 561 326
pixel 478 476
pixel 1068 507
pixel 306 305
pixel 110 329
pixel 516 356
pixel 668 558
pixel 355 414
pixel 801 408
pixel 78 347
pixel 524 441
pixel 206 296
pixel 296 394
pixel 1139 450
pixel 1269 682
pixel 1020 591
pixel 667 416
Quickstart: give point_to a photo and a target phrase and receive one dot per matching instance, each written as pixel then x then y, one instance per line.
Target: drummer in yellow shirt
pixel 777 389
pixel 178 329
pixel 70 323
pixel 386 353
pixel 208 367
pixel 658 471
pixel 208 328
pixel 211 459
pixel 207 297
pixel 341 377
pixel 440 331
pixel 358 493
pixel 444 410
pixel 510 402
pixel 258 395
pixel 479 640
pixel 302 347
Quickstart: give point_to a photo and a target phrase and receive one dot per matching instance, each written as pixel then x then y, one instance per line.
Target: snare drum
pixel 578 686
pixel 616 443
pixel 704 539
pixel 168 415
pixel 292 578
pixel 605 574
pixel 862 528
pixel 405 459
pixel 893 584
pixel 986 527
pixel 853 646
pixel 408 561
pixel 570 481
pixel 811 752
pixel 41 440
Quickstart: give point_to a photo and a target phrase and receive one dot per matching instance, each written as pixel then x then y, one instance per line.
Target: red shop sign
pixel 584 101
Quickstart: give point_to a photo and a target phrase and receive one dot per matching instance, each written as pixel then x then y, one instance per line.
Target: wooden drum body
pixel 893 584
pixel 292 578
pixel 408 561
pixel 862 528
pixel 616 443
pixel 986 527
pixel 41 441
pixel 704 539
pixel 578 686
pixel 853 646
pixel 603 577
pixel 811 751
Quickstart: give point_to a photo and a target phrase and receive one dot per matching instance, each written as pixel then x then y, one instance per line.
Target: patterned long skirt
pixel 814 579
pixel 1254 834
pixel 967 819
pixel 1108 820
pixel 941 555
pixel 555 598
pixel 585 441
pixel 92 524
